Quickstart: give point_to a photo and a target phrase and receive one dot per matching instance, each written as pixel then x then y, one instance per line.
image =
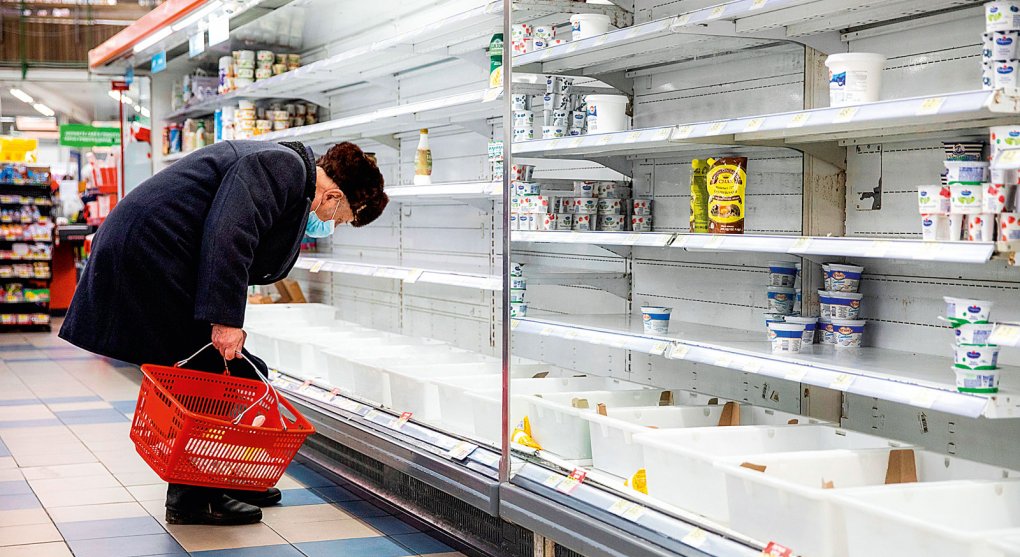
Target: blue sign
pixel 129 75
pixel 158 62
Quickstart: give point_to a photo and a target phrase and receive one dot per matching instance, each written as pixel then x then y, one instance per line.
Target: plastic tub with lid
pixel 947 519
pixel 788 504
pixel 612 436
pixel 371 374
pixel 681 462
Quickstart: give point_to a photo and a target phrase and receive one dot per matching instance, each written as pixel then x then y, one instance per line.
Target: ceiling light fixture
pixel 152 39
pixel 43 109
pixel 22 96
pixel 195 17
pixel 145 112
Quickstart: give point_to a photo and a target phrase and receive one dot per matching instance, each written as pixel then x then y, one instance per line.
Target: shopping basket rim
pixel 300 425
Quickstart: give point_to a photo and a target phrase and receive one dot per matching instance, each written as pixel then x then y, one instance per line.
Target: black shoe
pixel 221 512
pixel 265 498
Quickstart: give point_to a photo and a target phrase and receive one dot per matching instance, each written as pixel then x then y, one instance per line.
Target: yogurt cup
pixel 998 198
pixel 1005 176
pixel 973 333
pixel 641 207
pixel 564 221
pixel 585 206
pixel 972 381
pixel 772 318
pixel 967 199
pixel 782 273
pixel 582 223
pixel 956 226
pixel 1002 15
pixel 516 269
pixel 547 222
pixel 523 117
pixel 797 302
pixel 1009 227
pixel 522 172
pixel 966 171
pixel 960 311
pixel 611 223
pixel 518 282
pixel 933 199
pixel 844 278
pixel 517 295
pixel 828 335
pixel 518 310
pixel 527 188
pixel 1004 45
pixel 963 150
pixel 786 337
pixel 810 326
pixel 640 223
pixel 825 304
pixel 655 319
pixel 980 357
pixel 609 206
pixel 845 305
pixel 935 227
pixel 848 333
pixel 981 228
pixel 553 132
pixel 827 280
pixel 987 42
pixel 584 189
pixel 781 299
pixel 987 75
pixel 1005 72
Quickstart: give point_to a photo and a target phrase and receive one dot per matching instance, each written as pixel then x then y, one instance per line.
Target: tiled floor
pixel 72 484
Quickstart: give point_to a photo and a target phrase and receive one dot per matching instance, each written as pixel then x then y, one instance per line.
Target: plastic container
pixel 965 310
pixel 787 503
pixel 973 333
pixel 786 337
pixel 981 227
pixel 782 273
pixel 299 350
pixel 584 26
pixel 781 299
pixel 655 319
pixel 999 198
pixel 810 326
pixel 612 436
pixel 845 305
pixel 976 356
pixel 772 318
pixel 1009 227
pixel 949 519
pixel 843 278
pixel 1004 45
pixel 848 333
pixel 936 227
pixel 372 373
pixel 681 462
pixel 1005 74
pixel 968 172
pixel 976 381
pixel 606 113
pixel 558 426
pixel 933 199
pixel 828 333
pixel 1003 15
pixel 854 77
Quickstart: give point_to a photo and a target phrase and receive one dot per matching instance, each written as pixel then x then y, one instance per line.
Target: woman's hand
pixel 228 340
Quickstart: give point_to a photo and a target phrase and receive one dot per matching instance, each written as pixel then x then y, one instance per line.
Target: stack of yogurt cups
pixel 544 36
pixel 496 160
pixel 244 68
pixel 999 54
pixel 244 120
pixel 522 38
pixel 523 118
pixel 975 362
pixel 518 288
pixel 787 329
pixel 839 306
pixel 1003 191
pixel 264 64
pixel 557 116
pixel 591 206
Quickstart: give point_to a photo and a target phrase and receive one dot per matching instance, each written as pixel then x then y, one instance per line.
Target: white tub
pixel 786 502
pixel 297 351
pixel 949 519
pixel 612 445
pixel 559 427
pixel 371 374
pixel 267 339
pixel 1006 545
pixel 681 462
pixel 289 314
pixel 340 363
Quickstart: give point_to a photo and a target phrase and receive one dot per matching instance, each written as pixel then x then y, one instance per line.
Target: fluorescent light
pixel 138 108
pixel 22 96
pixel 127 100
pixel 145 112
pixel 196 16
pixel 43 109
pixel 115 95
pixel 152 39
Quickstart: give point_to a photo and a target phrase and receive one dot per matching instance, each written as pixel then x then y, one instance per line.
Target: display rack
pixel 17 312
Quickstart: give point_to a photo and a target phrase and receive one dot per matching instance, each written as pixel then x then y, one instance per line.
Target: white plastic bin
pixel 288 314
pixel 948 519
pixel 371 374
pixel 296 349
pixel 612 444
pixel 606 113
pixel 1006 545
pixel 681 462
pixel 273 356
pixel 559 427
pixel 787 504
pixel 340 363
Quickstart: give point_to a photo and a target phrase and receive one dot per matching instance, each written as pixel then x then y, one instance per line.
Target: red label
pixel 306 383
pixel 119 86
pixel 773 549
pixel 578 475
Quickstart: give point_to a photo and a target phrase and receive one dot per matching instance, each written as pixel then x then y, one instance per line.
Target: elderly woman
pixel 170 267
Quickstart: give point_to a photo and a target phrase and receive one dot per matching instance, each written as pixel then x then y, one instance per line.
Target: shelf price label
pixel 602 39
pixel 752 366
pixel 717 12
pixel 659 349
pixel 758 4
pixel 715 241
pixel 773 549
pixel 842 382
pixel 723 361
pixel 570 483
pixel 462 450
pixel 924 398
pixel 514 323
pixel 576 142
pixel 413 275
pixel 553 480
pixel 683 132
pixel 634 513
pixel 716 128
pixel 696 538
pixel 682 20
pixel 316 267
pixel 632 137
pixel 620 506
pixel 799 120
pixel 573 46
pixel 753 125
pixel 677 351
pixel 605 140
pixel 491 94
pixel 547 331
pixel 795 374
pixel 930 106
pixel 927 251
pixel 878 248
pixel 403 419
pixel 845 115
pixel 662 135
pixel 1005 334
pixel 802 244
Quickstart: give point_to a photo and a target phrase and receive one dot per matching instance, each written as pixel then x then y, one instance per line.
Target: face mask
pixel 318 228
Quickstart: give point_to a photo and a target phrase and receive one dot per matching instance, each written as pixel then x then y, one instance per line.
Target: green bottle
pixel 496 60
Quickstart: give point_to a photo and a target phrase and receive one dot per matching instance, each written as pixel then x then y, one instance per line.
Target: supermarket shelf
pixel 379 125
pixel 903 377
pixel 478 194
pixel 405 274
pixel 633 142
pixel 1006 334
pixel 5 280
pixel 875 248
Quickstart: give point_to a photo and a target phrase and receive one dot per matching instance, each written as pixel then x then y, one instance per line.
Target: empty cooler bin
pixel 371 374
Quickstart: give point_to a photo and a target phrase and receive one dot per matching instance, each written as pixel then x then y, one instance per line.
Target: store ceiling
pixel 81 101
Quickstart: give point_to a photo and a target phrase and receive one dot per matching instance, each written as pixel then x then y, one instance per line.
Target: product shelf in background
pixel 477 280
pixel 873 248
pixel 467 192
pixel 903 377
pixel 174 157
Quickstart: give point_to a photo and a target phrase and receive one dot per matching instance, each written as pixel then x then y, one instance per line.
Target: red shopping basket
pixel 187 428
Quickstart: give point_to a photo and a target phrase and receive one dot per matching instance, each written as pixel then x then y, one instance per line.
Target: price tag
pixel 717 12
pixel 620 506
pixel 1005 335
pixel 663 134
pixel 800 245
pixel 659 349
pixel 680 241
pixel 796 375
pixel 372 415
pixel 492 94
pixel 716 128
pixel 633 513
pixel 304 386
pixel 632 32
pixel 799 120
pixel 403 419
pixel 514 324
pixel 316 267
pixel 928 250
pixel 752 366
pixel 758 4
pixel 462 450
pixel 724 361
pixel 683 132
pixel 413 275
pixel 878 248
pixel 715 241
pixel 570 483
pixel 602 39
pixel 1009 156
pixel 555 143
pixel 196 44
pixel 572 47
pixel 924 398
pixel 696 538
pixel 605 140
pixel 553 480
pixel 546 53
pixel 842 382
pixel 753 125
pixel 334 393
pixel 773 549
pixel 677 351
pixel 632 137
pixel 682 20
pixel 845 115
pixel 547 331
pixel 576 142
pixel 930 106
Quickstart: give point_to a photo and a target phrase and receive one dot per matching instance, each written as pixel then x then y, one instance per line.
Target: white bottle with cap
pixel 423 160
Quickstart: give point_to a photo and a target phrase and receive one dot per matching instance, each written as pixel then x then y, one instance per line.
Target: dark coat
pixel 178 253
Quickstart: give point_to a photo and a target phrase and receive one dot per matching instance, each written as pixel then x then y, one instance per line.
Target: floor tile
pixel 93 529
pixel 361 509
pixel 359 547
pixel 124 406
pixel 151 492
pixel 24 516
pixel 76 406
pixel 22 413
pixel 96 496
pixel 422 544
pixel 18 502
pixel 70 399
pixel 16 487
pixel 299 532
pixel 103 416
pixel 13 424
pixel 7 462
pixel 129 546
pixel 144 477
pixel 28 533
pixel 64 471
pixel 286 550
pixel 53 549
pixel 19 402
pixel 16 347
pixel 205 538
pixel 97 512
pixel 308 477
pixel 274 516
pixel 295 497
pixel 390 525
pixel 287 482
pixel 4 451
pixel 67 485
pixel 335 493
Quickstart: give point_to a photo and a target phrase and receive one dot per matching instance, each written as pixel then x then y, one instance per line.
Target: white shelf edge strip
pixel 885 388
pixel 633 139
pixel 464 189
pixel 405 274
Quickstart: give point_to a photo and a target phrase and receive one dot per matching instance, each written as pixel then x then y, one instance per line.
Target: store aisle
pixel 72 484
